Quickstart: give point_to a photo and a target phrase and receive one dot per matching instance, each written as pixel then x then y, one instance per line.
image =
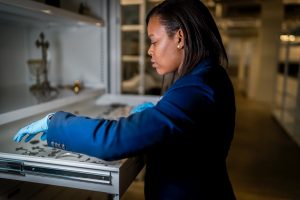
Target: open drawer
pixel 36 162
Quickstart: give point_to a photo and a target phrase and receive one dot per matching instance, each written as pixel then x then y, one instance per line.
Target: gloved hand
pixel 141 107
pixel 40 126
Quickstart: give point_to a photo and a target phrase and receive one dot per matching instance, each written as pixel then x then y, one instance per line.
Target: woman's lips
pixel 153 63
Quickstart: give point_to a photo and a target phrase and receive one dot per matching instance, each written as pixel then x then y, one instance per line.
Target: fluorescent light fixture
pixel 287 38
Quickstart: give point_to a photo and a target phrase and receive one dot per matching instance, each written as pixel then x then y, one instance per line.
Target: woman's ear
pixel 180 39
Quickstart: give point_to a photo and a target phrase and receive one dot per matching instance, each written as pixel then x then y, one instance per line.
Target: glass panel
pixel 130 14
pixel 131 78
pixel 130 69
pixel 130 43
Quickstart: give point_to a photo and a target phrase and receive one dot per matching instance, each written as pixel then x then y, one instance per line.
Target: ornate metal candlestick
pixel 43 90
pixel 44 46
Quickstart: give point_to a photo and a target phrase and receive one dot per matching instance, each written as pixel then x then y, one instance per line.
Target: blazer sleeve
pixel 125 137
pixel 107 139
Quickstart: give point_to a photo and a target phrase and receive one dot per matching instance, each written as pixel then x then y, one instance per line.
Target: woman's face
pixel 166 52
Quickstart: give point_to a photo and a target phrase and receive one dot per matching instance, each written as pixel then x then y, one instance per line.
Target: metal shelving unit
pixel 287 100
pixel 135 27
pixel 137 76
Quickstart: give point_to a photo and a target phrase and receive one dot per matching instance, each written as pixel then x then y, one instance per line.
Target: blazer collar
pixel 203 65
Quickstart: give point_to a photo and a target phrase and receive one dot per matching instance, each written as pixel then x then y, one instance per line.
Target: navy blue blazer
pixel 185 137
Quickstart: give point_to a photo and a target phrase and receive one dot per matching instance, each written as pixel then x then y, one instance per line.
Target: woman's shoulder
pixel 206 72
pixel 204 79
pixel 197 77
pixel 189 87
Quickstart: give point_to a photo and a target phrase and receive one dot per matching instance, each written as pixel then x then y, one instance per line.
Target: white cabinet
pixel 77 48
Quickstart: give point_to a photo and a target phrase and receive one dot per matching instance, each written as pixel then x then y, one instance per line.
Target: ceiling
pixel 242 17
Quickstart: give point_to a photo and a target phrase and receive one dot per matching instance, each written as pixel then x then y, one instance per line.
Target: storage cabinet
pixel 287 100
pixel 78 49
pixel 138 77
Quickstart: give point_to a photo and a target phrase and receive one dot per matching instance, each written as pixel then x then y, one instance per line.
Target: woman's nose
pixel 150 51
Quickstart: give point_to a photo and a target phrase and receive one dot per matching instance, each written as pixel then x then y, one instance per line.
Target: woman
pixel 192 123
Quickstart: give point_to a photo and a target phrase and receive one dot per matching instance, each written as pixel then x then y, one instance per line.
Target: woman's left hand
pixel 141 107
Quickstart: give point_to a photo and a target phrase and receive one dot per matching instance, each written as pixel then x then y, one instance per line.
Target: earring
pixel 178 46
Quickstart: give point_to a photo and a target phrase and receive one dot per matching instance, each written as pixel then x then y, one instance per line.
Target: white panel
pixel 114 47
pixel 80 55
pixel 13 55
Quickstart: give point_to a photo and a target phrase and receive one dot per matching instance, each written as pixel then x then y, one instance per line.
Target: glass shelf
pixel 41 14
pixel 13 109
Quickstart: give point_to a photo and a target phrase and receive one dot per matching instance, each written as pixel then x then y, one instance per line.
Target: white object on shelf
pixel 130 58
pixel 49 15
pixel 131 2
pixel 132 28
pixel 132 85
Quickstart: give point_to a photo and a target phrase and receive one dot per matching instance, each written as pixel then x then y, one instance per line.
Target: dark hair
pixel 202 37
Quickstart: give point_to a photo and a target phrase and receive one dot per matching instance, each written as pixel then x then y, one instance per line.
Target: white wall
pixel 13 54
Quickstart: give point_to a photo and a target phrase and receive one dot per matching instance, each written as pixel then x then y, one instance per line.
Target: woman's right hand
pixel 40 126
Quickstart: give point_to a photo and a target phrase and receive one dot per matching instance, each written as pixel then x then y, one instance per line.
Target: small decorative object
pixel 77 86
pixel 44 46
pixel 38 67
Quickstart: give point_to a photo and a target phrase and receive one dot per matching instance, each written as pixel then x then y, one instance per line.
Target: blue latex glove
pixel 141 107
pixel 40 126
